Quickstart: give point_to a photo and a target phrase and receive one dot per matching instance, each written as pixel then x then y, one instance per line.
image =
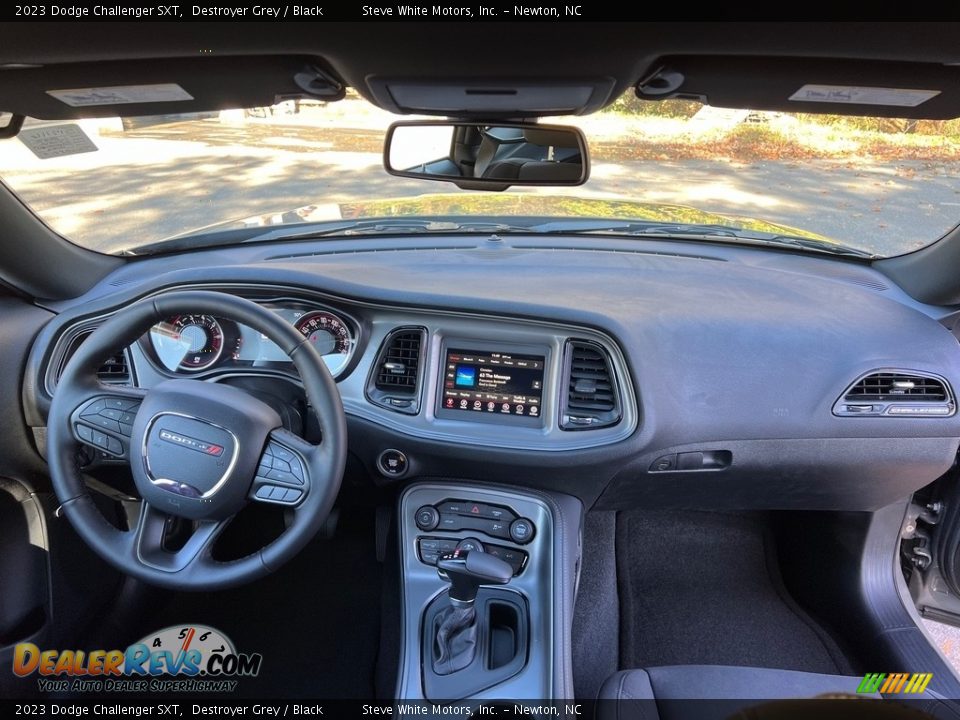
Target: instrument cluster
pixel 191 344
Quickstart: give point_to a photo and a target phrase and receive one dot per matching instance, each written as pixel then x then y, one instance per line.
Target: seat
pixel 716 692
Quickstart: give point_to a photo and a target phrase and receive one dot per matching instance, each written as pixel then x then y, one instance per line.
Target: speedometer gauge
pixel 188 342
pixel 325 331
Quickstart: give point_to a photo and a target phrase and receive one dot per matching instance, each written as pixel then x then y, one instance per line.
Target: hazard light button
pixel 477 510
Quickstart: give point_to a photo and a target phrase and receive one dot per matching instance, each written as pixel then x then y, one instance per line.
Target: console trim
pixel 547 584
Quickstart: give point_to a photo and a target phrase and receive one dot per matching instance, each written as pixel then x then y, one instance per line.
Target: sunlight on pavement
pixel 697 193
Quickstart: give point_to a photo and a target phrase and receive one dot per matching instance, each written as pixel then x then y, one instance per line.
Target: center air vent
pixel 591 399
pixel 395 379
pixel 897 392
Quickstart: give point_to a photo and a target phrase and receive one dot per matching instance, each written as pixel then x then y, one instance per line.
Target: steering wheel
pixel 197 450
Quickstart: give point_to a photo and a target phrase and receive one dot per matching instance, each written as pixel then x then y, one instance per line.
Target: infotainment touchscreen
pixel 496 384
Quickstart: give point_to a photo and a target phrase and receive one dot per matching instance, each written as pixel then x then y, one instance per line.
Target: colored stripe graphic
pixel 894 683
pixel 919 681
pixel 870 682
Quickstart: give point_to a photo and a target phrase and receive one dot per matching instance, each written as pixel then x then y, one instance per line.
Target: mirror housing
pixel 487 155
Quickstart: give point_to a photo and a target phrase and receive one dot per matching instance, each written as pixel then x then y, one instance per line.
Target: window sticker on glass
pixel 56 141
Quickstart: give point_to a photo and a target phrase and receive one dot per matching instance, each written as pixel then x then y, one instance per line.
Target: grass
pixel 668 130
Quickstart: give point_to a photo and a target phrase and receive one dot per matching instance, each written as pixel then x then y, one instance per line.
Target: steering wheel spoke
pixel 104 421
pixel 283 474
pixel 162 541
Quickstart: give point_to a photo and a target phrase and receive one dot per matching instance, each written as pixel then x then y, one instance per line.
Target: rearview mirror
pixel 485 156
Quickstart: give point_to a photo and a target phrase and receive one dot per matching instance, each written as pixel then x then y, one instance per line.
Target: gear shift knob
pixel 467 570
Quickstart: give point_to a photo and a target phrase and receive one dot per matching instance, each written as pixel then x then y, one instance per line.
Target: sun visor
pixel 491 98
pixel 161 86
pixel 810 85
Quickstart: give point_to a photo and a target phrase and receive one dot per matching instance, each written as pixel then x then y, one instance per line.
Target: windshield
pixel 882 186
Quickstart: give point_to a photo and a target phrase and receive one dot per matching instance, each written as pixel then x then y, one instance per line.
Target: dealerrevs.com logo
pixel 186 658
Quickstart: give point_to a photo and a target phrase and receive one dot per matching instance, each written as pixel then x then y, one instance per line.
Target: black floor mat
pixel 699 588
pixel 316 621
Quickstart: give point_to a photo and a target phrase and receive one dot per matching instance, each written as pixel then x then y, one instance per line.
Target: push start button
pixel 392 463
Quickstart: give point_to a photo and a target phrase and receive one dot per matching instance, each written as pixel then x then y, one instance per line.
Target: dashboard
pixel 453 377
pixel 670 372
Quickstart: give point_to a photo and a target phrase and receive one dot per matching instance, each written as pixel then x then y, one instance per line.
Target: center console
pixel 488 583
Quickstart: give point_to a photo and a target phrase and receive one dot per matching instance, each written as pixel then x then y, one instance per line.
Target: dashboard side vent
pixel 396 376
pixel 591 398
pixel 115 371
pixel 897 392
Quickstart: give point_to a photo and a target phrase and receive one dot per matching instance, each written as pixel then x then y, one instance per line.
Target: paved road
pixel 884 208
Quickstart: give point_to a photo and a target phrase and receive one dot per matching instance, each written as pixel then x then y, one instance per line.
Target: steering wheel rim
pixel 180 414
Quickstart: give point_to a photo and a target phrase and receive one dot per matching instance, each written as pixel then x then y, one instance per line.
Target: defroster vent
pixel 591 399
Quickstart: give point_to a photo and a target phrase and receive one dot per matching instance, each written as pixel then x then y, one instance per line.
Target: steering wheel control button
pixel 427 518
pixel 281 464
pixel 470 545
pixel 103 423
pixel 278 495
pixel 284 477
pixel 85 433
pixel 281 453
pixel 522 531
pixel 392 463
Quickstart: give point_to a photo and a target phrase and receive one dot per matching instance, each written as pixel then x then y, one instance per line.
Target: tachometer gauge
pixel 188 342
pixel 325 331
pixel 329 335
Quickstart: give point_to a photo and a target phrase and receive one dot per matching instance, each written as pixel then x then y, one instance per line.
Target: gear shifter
pixel 467 570
pixel 456 634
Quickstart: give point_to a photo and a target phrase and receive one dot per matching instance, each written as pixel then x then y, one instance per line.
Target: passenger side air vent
pixel 395 379
pixel 897 392
pixel 591 399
